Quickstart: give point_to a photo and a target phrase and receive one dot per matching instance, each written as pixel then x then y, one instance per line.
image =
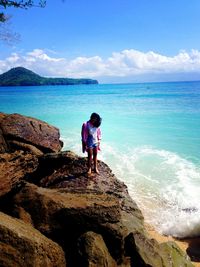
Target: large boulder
pixel 22 245
pixel 26 133
pixel 93 251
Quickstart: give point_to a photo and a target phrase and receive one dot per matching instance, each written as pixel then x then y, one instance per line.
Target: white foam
pixel 165 186
pixel 173 207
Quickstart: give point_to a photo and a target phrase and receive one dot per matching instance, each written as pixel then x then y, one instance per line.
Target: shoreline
pixel 191 246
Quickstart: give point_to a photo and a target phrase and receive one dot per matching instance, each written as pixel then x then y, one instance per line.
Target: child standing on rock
pixel 91 136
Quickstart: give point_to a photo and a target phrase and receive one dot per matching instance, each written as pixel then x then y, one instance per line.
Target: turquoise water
pixel 151 140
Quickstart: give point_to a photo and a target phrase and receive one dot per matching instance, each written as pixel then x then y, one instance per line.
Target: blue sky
pixel 112 41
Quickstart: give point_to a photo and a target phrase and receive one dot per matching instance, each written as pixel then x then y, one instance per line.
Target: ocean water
pixel 151 140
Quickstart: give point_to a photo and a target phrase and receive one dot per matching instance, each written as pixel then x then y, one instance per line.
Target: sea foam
pixel 166 188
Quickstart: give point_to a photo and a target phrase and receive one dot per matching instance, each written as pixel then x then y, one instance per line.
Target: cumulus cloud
pixel 126 63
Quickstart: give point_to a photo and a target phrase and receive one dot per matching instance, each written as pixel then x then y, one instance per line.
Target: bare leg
pixel 89 160
pixel 95 160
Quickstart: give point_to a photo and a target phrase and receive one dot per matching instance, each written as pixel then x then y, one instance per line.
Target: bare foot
pixel 97 171
pixel 89 172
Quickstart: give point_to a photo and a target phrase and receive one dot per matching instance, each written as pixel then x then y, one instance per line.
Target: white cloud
pixel 13 58
pixel 86 67
pixel 38 54
pixel 127 63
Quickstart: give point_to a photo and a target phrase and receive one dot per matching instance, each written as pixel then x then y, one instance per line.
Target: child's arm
pixel 99 134
pixel 83 137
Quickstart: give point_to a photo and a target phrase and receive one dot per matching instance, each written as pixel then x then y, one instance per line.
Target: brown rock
pixel 148 252
pixel 13 168
pixel 74 204
pixel 54 209
pixel 43 136
pixel 77 203
pixel 67 170
pixel 22 245
pixel 65 216
pixel 25 147
pixel 3 145
pixel 93 251
pixel 2 116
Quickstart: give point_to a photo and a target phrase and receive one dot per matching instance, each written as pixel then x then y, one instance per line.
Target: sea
pixel 150 140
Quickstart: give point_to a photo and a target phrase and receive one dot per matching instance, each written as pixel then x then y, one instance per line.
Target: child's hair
pixel 97 118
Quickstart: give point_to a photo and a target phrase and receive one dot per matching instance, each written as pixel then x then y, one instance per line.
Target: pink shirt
pixel 85 133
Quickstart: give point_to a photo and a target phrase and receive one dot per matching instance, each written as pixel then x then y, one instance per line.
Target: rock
pixel 148 252
pixel 93 251
pixel 16 145
pixel 64 216
pixel 30 131
pixel 22 245
pixel 14 167
pixel 3 145
pixel 193 249
pixel 2 116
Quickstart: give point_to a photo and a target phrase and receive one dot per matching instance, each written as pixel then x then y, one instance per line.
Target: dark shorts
pixel 91 144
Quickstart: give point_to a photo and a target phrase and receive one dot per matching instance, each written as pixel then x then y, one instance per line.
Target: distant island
pixel 23 77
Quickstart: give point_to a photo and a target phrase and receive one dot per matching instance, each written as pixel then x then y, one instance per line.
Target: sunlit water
pixel 151 140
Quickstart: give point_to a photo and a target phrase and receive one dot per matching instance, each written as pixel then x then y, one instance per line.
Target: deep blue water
pixel 151 139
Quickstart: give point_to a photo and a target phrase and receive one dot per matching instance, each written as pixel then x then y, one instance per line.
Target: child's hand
pixel 83 146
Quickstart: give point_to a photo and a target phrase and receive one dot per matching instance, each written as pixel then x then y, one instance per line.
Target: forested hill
pixel 23 77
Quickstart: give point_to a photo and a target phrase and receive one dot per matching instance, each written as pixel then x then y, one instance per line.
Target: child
pixel 91 136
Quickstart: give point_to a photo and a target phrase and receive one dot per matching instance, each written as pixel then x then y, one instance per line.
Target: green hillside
pixel 23 77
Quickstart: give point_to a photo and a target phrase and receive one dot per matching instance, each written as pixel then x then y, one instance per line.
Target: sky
pixel 112 41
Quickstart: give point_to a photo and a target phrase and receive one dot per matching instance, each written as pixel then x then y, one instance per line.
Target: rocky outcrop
pixel 92 218
pixel 22 245
pixel 29 134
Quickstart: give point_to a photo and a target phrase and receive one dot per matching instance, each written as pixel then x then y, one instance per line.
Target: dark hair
pixel 97 118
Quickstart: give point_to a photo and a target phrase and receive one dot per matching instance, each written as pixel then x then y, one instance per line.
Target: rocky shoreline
pixel 189 245
pixel 53 214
